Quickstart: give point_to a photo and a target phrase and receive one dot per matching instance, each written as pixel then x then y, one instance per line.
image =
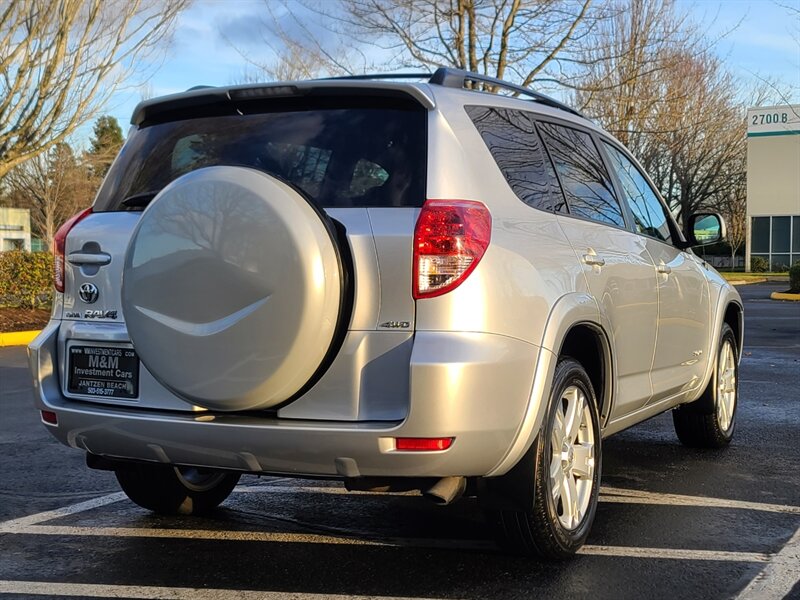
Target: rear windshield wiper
pixel 139 200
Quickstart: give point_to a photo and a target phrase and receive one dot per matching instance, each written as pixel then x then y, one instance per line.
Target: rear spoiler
pixel 224 99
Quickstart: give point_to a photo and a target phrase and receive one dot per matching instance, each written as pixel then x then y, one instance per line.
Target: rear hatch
pixel 357 157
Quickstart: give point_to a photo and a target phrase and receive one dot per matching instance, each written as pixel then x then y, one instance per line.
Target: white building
pixel 773 185
pixel 15 229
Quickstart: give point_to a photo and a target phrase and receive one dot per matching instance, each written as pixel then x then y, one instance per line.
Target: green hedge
pixel 759 264
pixel 794 278
pixel 26 279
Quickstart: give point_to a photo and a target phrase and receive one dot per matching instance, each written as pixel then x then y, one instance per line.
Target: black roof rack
pixel 456 78
pixel 379 76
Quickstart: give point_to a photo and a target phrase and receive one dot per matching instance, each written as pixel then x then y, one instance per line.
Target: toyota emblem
pixel 88 292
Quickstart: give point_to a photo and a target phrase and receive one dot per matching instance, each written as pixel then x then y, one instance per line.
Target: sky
pixel 755 38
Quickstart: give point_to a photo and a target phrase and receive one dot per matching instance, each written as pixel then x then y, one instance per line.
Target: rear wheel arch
pixel 577 313
pixel 588 343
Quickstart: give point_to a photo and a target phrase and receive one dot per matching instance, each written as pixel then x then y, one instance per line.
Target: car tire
pixel 710 421
pixel 172 490
pixel 564 463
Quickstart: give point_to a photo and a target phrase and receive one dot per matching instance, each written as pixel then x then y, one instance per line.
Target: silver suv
pixel 401 285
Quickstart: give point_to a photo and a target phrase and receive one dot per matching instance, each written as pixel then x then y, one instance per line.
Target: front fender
pixel 726 296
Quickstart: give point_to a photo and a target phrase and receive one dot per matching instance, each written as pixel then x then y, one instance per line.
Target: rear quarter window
pixel 339 157
pixel 515 145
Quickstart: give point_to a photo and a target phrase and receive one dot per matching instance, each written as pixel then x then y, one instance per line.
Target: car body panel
pixel 625 290
pixel 682 350
pixel 448 397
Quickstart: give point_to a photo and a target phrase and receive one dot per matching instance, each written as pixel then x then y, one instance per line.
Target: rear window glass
pixel 339 157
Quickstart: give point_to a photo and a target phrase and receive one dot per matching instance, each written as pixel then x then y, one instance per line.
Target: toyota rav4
pixel 403 285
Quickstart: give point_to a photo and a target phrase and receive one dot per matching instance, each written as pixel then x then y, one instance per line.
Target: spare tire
pixel 232 289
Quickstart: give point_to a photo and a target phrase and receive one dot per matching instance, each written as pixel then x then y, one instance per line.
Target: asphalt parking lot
pixel 672 522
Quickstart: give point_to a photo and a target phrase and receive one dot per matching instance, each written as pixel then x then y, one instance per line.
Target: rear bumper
pixel 471 386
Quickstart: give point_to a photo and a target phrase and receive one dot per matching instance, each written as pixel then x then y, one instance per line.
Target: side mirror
pixel 704 229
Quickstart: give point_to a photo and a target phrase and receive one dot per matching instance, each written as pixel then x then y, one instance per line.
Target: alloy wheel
pixel 726 386
pixel 572 461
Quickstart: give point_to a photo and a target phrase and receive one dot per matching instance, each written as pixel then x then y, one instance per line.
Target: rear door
pixel 618 268
pixel 683 297
pixel 362 160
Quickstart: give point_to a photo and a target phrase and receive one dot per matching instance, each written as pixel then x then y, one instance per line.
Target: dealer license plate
pixel 110 372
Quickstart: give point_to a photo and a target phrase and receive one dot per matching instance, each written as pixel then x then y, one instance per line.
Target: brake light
pixel 59 245
pixel 423 444
pixel 450 239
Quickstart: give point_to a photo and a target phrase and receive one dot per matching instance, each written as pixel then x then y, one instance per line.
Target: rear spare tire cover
pixel 232 288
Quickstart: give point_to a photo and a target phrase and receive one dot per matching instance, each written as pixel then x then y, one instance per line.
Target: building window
pixel 759 237
pixel 781 230
pixel 796 236
pixel 776 239
pixel 780 262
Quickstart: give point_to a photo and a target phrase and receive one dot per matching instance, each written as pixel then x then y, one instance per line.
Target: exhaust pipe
pixel 446 491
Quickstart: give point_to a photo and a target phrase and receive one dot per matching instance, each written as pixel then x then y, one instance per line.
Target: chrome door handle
pixel 88 258
pixel 593 260
pixel 664 269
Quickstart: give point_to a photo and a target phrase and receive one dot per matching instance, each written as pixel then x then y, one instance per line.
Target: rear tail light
pixel 423 444
pixel 450 239
pixel 59 244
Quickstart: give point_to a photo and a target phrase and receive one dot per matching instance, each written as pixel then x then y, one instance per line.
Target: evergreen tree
pixel 105 144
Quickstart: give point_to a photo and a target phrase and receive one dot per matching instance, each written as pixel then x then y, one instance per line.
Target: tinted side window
pixel 514 143
pixel 584 178
pixel 648 213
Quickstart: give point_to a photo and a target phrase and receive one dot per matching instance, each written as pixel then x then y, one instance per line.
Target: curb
pixel 17 338
pixel 785 296
pixel 746 281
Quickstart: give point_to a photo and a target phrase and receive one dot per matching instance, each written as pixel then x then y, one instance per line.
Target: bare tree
pixel 513 39
pixel 700 134
pixel 519 40
pixel 61 60
pixel 624 61
pixel 734 209
pixel 655 83
pixel 54 186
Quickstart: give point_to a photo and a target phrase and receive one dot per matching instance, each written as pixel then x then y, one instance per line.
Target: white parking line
pixel 781 566
pixel 72 509
pixel 192 534
pixel 42 588
pixel 305 538
pixel 622 495
pixel 607 494
pixel 780 575
pixel 674 553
